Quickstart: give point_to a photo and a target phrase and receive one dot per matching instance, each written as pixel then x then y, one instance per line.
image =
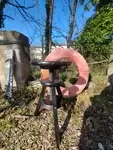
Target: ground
pixel 88 127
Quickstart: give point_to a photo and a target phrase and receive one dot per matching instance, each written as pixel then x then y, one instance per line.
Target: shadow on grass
pixel 20 99
pixel 97 129
pixel 69 107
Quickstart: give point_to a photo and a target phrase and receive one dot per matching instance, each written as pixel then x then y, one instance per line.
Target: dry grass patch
pixel 90 126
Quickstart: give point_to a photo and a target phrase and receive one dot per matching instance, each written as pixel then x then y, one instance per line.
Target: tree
pixel 72 10
pixel 48 27
pixel 72 6
pixel 48 20
pixel 100 3
pixel 2 6
pixel 96 39
pixel 21 9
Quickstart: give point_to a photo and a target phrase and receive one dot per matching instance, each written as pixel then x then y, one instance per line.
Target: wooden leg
pixel 60 101
pixel 55 115
pixel 37 111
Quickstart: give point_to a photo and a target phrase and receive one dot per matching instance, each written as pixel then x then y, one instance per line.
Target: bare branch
pixel 32 19
pixel 59 29
pixel 8 16
pixel 20 6
pixel 22 14
pixel 27 16
pixel 58 44
pixel 69 6
pixel 60 32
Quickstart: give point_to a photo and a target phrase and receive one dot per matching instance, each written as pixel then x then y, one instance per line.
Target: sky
pixel 60 20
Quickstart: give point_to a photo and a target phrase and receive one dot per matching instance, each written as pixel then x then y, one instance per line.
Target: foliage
pixel 34 75
pixel 63 76
pixel 96 39
pixel 101 3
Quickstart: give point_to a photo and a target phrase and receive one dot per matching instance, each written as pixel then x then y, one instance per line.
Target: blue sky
pixel 34 31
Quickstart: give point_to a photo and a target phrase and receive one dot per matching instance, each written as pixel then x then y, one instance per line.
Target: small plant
pixel 63 76
pixel 34 75
pixel 73 80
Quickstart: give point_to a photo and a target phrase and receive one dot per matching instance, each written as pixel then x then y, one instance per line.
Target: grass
pixel 90 126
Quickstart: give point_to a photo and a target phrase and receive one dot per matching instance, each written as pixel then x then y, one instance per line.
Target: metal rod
pixel 9 74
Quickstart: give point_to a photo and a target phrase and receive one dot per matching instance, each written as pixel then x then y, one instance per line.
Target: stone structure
pixel 14 59
pixel 110 75
pixel 2 68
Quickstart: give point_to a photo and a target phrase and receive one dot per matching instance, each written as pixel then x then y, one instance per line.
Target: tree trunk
pixel 42 42
pixel 2 5
pixel 72 21
pixel 48 28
